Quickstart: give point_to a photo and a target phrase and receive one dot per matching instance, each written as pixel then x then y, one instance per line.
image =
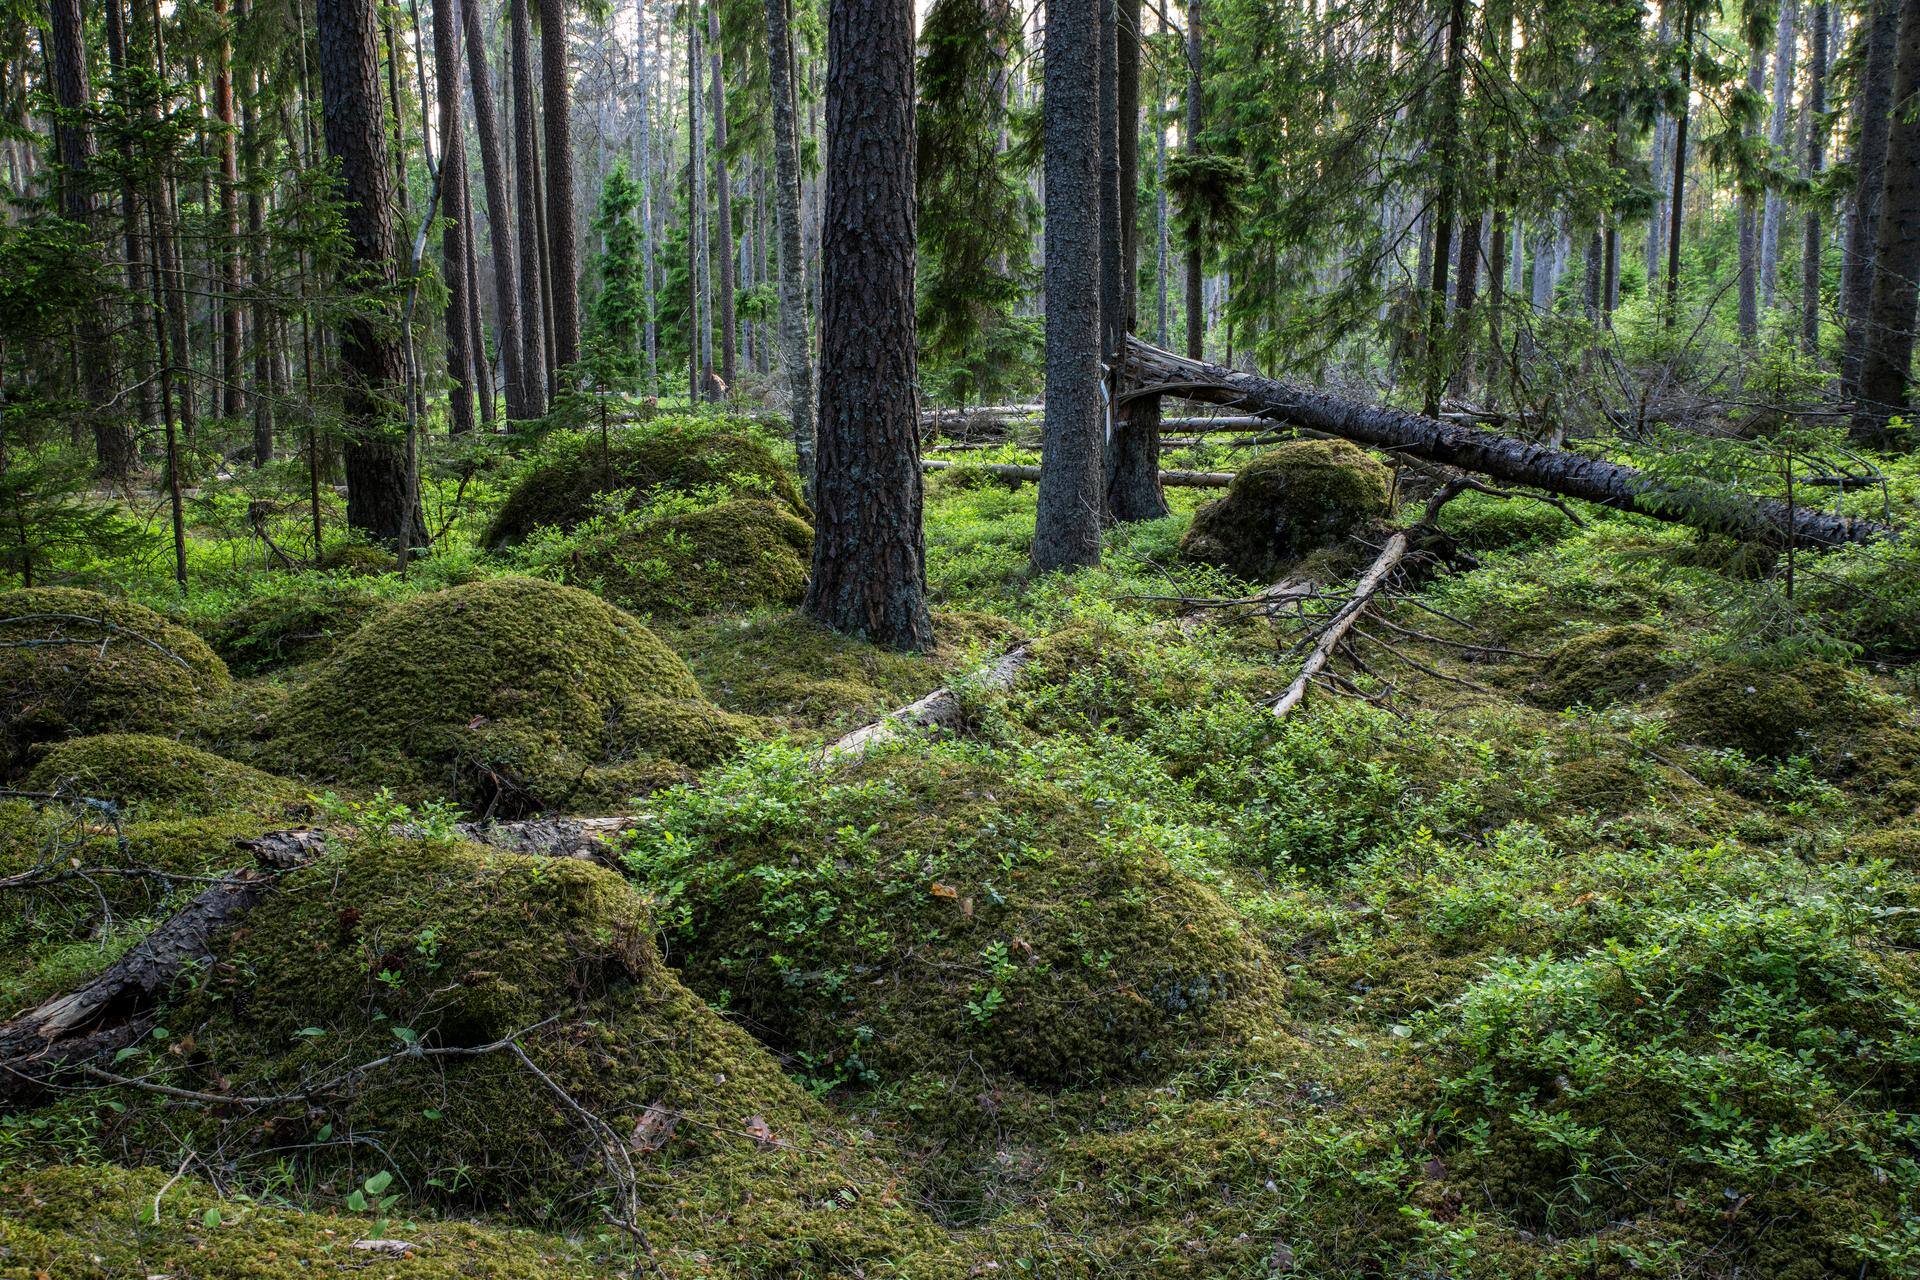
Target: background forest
pixel 853 638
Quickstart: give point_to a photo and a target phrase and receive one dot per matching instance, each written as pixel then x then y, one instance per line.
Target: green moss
pixel 789 667
pixel 139 768
pixel 93 1223
pixel 286 628
pixel 382 944
pixel 1296 499
pixel 80 663
pixel 679 454
pixel 1606 666
pixel 1604 784
pixel 358 558
pixel 1899 845
pixel 1113 676
pixel 1766 711
pixel 923 913
pixel 505 694
pixel 743 554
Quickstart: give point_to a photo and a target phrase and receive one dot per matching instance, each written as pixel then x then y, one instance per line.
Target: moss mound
pixel 1606 666
pixel 511 695
pixel 743 554
pixel 681 455
pixel 86 663
pixel 383 944
pixel 1294 500
pixel 926 913
pixel 302 624
pixel 141 768
pixel 93 1223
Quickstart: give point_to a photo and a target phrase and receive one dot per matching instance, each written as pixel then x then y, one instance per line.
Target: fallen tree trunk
pixel 1031 475
pixel 1715 508
pixel 940 709
pixel 1342 622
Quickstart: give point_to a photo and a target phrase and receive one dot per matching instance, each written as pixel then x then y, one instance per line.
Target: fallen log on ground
pixel 940 709
pixel 1714 508
pixel 1031 475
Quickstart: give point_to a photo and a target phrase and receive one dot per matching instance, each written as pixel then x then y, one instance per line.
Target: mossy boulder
pixel 1763 711
pixel 77 662
pixel 302 623
pixel 743 554
pixel 686 455
pixel 510 695
pixel 358 558
pixel 1287 503
pixel 926 913
pixel 1602 667
pixel 382 944
pixel 145 769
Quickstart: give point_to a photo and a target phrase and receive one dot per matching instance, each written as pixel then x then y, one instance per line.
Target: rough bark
pixel 261 318
pixel 869 555
pixel 1815 241
pixel 233 302
pixel 1067 522
pixel 563 248
pixel 1445 202
pixel 786 209
pixel 700 341
pixel 1749 216
pixel 112 434
pixel 1190 142
pixel 1132 461
pixel 455 233
pixel 1872 109
pixel 643 170
pixel 139 311
pixel 507 297
pixel 1785 47
pixel 723 200
pixel 1676 201
pixel 534 365
pixel 379 500
pixel 1504 458
pixel 1887 360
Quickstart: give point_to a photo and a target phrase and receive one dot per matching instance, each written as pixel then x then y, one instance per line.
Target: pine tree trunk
pixel 535 367
pixel 454 230
pixel 1785 41
pixel 1677 198
pixel 508 299
pixel 643 169
pixel 1162 248
pixel 484 386
pixel 379 502
pixel 1887 361
pixel 556 92
pixel 723 197
pixel 1815 241
pixel 112 435
pixel 1749 215
pixel 699 249
pixel 1132 461
pixel 786 212
pixel 1872 111
pixel 139 317
pixel 1067 523
pixel 261 318
pixel 1445 204
pixel 233 302
pixel 869 556
pixel 1196 105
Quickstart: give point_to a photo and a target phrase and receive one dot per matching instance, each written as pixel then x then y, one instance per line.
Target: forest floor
pixel 1583 945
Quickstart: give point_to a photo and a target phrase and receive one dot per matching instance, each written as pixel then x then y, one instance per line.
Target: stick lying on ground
pixel 940 709
pixel 1715 508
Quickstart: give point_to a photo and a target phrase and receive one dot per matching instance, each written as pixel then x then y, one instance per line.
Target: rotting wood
pixel 942 709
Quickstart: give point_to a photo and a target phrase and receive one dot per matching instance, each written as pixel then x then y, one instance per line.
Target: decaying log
pixel 106 1013
pixel 1016 474
pixel 1506 458
pixel 1342 621
pixel 941 709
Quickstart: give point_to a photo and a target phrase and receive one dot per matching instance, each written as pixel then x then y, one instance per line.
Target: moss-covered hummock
pixel 744 554
pixel 925 913
pixel 511 695
pixel 1284 504
pixel 681 454
pixel 76 662
pixel 144 769
pixel 382 944
pixel 286 628
pixel 1606 666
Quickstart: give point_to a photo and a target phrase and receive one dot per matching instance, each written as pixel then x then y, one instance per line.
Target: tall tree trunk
pixel 163 211
pixel 140 321
pixel 1161 247
pixel 484 386
pixel 261 319
pixel 508 298
pixel 786 212
pixel 1445 203
pixel 535 366
pixel 699 250
pixel 869 556
pixel 454 231
pixel 1785 47
pixel 1810 254
pixel 1677 197
pixel 1132 462
pixel 1190 143
pixel 113 438
pixel 643 169
pixel 1067 523
pixel 233 301
pixel 563 250
pixel 1872 110
pixel 1887 362
pixel 723 197
pixel 1749 216
pixel 379 502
